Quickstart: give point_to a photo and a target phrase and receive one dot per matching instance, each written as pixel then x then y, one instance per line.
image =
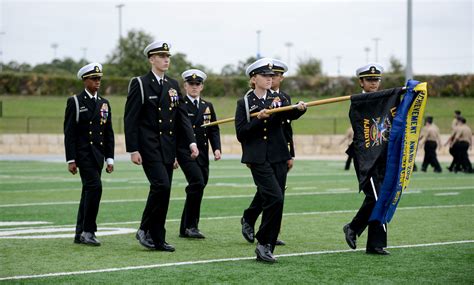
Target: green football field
pixel 431 238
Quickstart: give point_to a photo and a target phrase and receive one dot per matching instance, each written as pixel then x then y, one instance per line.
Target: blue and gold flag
pixel 371 116
pixel 402 149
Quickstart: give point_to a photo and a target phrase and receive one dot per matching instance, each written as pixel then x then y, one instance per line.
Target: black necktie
pixel 196 102
pixel 160 82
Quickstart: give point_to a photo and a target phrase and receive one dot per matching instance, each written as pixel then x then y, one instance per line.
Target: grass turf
pixel 320 199
pixel 46 114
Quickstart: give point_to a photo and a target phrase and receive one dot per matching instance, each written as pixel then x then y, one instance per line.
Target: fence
pixel 310 125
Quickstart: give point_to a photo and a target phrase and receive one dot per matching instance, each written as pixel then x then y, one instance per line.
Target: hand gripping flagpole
pixel 288 108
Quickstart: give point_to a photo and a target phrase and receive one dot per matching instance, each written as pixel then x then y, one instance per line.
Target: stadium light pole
pixel 409 68
pixel 54 46
pixel 367 50
pixel 119 7
pixel 376 40
pixel 1 51
pixel 258 43
pixel 289 45
pixel 338 65
pixel 84 53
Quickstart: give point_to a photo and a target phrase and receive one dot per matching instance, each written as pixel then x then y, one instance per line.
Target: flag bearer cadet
pixel 369 76
pixel 265 150
pixel 251 214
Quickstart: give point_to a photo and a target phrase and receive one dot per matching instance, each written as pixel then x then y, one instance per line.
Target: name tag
pixel 190 114
pixel 83 110
pixel 152 97
pixel 253 108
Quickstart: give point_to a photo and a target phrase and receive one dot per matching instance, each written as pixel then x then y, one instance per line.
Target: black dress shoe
pixel 264 253
pixel 247 231
pixel 89 239
pixel 350 236
pixel 77 238
pixel 192 233
pixel 164 247
pixel 377 250
pixel 141 236
pixel 280 242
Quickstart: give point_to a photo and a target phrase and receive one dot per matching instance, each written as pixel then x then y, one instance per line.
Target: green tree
pixel 396 67
pixel 238 69
pixel 309 67
pixel 67 66
pixel 127 59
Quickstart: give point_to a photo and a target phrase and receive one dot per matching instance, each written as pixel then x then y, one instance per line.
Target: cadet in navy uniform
pixel 265 150
pixel 155 118
pixel 251 214
pixel 196 171
pixel 89 140
pixel 370 76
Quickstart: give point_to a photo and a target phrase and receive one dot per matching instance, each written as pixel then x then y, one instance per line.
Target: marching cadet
pixel 156 120
pixel 369 76
pixel 89 140
pixel 455 164
pixel 462 141
pixel 251 214
pixel 265 150
pixel 431 139
pixel 196 171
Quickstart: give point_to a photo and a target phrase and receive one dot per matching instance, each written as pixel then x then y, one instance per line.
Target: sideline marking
pixel 139 267
pixel 23 233
pixel 22 223
pixel 447 194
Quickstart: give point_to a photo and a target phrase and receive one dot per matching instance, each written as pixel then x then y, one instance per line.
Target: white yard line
pixel 208 261
pixel 327 192
pixel 238 217
pixel 288 193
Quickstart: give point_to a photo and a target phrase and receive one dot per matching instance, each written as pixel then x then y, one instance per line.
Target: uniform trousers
pixel 377 237
pixel 270 179
pixel 197 177
pixel 430 156
pixel 160 176
pixel 90 198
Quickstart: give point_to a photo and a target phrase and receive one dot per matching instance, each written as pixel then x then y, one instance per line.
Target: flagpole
pixel 283 109
pixel 288 108
pixel 376 198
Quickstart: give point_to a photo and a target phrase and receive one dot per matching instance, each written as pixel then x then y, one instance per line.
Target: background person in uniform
pixel 348 137
pixel 265 150
pixel 196 171
pixel 89 139
pixel 155 116
pixel 370 76
pixel 251 214
pixel 455 164
pixel 454 123
pixel 430 139
pixel 462 141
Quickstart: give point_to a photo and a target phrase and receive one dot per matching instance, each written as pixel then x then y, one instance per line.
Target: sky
pixel 216 33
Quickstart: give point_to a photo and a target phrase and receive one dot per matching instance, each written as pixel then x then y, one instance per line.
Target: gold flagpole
pixel 287 108
pixel 283 109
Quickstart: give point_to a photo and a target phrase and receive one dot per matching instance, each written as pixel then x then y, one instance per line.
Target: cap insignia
pixel 372 69
pixel 165 46
pixel 194 76
pixel 97 69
